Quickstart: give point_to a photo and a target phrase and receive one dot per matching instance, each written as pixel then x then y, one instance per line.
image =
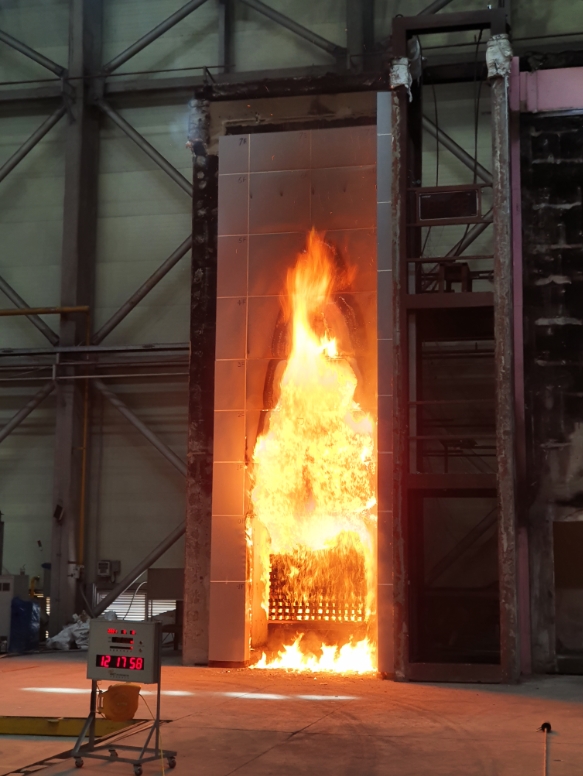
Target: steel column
pixel 148 149
pixel 226 34
pixel 77 273
pixel 17 419
pixel 399 362
pixel 289 24
pixel 151 36
pixel 201 390
pixel 142 291
pixel 29 144
pixel 32 54
pixel 359 32
pixel 519 409
pixel 386 408
pixel 162 448
pixel 504 363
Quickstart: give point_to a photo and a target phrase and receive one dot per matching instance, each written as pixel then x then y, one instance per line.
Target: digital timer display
pixel 120 661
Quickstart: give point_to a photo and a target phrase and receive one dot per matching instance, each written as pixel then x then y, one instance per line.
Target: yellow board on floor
pixel 58 726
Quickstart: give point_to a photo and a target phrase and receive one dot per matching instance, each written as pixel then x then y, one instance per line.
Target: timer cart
pixel 123 651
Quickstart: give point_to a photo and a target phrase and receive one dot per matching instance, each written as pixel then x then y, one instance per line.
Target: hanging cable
pixel 133 597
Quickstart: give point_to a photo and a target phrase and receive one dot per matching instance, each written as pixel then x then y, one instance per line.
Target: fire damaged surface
pixel 453 419
pixel 313 467
pixel 504 365
pixel 552 180
pixel 200 390
pixel 274 189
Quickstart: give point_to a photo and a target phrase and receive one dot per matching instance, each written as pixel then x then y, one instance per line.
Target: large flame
pixel 356 658
pixel 313 469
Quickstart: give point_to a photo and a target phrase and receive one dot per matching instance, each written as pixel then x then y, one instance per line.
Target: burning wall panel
pixel 273 188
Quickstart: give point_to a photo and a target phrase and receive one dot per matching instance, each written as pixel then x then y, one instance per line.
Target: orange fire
pixel 314 470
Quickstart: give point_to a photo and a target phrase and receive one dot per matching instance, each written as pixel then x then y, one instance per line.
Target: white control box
pixel 124 651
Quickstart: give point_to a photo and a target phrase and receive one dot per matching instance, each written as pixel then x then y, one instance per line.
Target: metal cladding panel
pixel 232 266
pixel 229 623
pixel 228 533
pixel 273 187
pixel 344 198
pixel 279 202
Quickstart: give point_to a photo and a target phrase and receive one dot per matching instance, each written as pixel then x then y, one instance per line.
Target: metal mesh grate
pixel 318 601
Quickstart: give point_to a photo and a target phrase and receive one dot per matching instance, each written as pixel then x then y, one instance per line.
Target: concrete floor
pixel 262 723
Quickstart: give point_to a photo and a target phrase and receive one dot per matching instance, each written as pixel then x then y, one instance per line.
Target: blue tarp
pixel 24 625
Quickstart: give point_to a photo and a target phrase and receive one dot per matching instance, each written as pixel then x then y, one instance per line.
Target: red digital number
pixel 133 663
pixel 105 661
pixel 112 630
pixel 139 663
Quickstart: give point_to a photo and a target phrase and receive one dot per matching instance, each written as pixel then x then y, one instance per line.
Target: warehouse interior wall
pixel 135 497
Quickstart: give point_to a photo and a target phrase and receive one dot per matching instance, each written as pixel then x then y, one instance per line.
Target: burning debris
pixel 313 481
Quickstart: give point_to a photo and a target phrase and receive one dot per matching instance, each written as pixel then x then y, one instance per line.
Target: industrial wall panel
pixel 270 257
pixel 234 156
pixel 262 44
pixel 234 204
pixel 344 147
pixel 192 43
pixel 263 314
pixel 280 151
pixel 26 483
pixel 31 210
pixel 229 436
pixel 256 372
pixel 228 488
pixel 230 385
pixel 231 327
pixel 136 498
pixel 279 201
pixel 228 533
pixel 232 266
pixel 41 24
pixel 229 632
pixel 344 198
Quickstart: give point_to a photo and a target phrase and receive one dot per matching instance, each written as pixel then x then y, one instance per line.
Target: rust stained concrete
pixel 231 724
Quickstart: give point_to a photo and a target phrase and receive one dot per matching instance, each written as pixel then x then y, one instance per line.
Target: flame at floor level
pixel 358 657
pixel 314 467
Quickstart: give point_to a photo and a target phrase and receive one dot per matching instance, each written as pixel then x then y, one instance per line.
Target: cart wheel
pixel 172 762
pixel 78 762
pixel 138 770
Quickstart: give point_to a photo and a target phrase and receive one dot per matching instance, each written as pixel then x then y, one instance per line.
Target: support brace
pixel 148 149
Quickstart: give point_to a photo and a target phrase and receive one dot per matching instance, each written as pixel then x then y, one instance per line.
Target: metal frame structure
pixel 405 126
pixel 84 92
